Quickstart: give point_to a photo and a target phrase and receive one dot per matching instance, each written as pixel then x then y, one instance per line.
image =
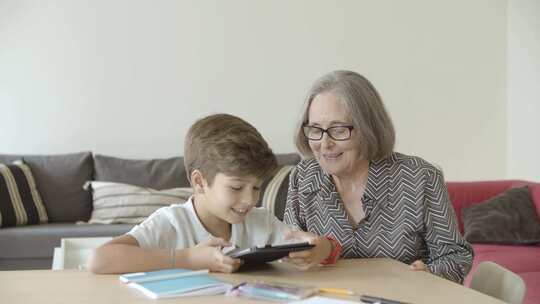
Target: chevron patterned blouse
pixel 408 214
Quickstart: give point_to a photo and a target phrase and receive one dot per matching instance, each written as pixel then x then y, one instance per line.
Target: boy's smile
pixel 240 212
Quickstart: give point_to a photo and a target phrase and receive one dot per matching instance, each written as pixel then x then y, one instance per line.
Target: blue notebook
pixel 188 283
pixel 140 277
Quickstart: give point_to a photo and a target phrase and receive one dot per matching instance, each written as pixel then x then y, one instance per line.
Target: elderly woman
pixel 352 188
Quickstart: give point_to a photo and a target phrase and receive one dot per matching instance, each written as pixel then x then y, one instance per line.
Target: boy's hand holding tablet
pixel 310 250
pixel 209 256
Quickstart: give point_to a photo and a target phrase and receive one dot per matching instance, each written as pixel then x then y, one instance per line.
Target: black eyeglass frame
pixel 350 128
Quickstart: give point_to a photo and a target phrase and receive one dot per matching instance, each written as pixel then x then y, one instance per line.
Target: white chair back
pixel 496 281
pixel 73 253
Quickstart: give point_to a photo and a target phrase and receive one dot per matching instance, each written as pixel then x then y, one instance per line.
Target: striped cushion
pixel 20 202
pixel 122 203
pixel 274 194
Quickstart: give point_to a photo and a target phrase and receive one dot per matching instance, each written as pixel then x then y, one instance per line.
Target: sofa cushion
pixel 532 290
pixel 513 257
pixel 20 202
pixel 60 180
pixel 38 241
pixel 466 194
pixel 25 264
pixel 274 192
pixel 508 218
pixel 288 159
pixel 155 173
pixel 115 203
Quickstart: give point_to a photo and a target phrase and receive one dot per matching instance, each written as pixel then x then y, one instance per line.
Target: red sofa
pixel 523 260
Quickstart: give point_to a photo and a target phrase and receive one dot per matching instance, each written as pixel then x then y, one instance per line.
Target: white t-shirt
pixel 178 226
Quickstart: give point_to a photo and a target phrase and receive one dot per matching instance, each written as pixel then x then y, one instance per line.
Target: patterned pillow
pixel 274 194
pixel 20 202
pixel 508 218
pixel 116 203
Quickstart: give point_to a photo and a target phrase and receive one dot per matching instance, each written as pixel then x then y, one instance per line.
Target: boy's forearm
pixel 191 258
pixel 121 258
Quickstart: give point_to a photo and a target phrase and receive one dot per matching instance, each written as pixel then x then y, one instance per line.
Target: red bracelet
pixel 334 254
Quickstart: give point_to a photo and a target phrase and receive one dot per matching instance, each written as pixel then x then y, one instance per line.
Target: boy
pixel 226 160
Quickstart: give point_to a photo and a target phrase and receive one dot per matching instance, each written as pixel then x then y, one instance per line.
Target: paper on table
pixel 323 300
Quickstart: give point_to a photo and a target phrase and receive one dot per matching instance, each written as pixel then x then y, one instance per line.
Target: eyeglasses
pixel 336 133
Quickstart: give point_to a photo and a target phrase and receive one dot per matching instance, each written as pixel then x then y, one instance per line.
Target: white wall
pixel 524 89
pixel 127 78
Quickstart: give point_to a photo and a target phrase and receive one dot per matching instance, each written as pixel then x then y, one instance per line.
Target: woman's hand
pixel 418 265
pixel 309 258
pixel 208 254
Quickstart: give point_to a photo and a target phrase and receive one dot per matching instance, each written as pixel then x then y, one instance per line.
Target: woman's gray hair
pixel 367 113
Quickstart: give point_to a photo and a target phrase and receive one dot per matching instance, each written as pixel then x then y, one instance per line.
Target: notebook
pixel 140 277
pixel 164 283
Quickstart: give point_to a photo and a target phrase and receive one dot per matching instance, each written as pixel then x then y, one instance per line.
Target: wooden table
pixel 380 277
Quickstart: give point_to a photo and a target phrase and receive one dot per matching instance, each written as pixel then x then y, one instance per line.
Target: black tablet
pixel 268 253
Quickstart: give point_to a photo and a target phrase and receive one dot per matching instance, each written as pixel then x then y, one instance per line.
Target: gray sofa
pixel 60 180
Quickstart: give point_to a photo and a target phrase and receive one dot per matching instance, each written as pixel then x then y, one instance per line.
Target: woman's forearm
pixel 453 266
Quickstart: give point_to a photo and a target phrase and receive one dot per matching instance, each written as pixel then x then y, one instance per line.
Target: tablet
pixel 268 253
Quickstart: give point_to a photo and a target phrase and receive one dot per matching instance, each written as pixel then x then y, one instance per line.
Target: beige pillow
pixel 116 203
pixel 274 193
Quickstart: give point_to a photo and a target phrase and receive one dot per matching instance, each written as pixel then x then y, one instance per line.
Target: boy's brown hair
pixel 227 144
